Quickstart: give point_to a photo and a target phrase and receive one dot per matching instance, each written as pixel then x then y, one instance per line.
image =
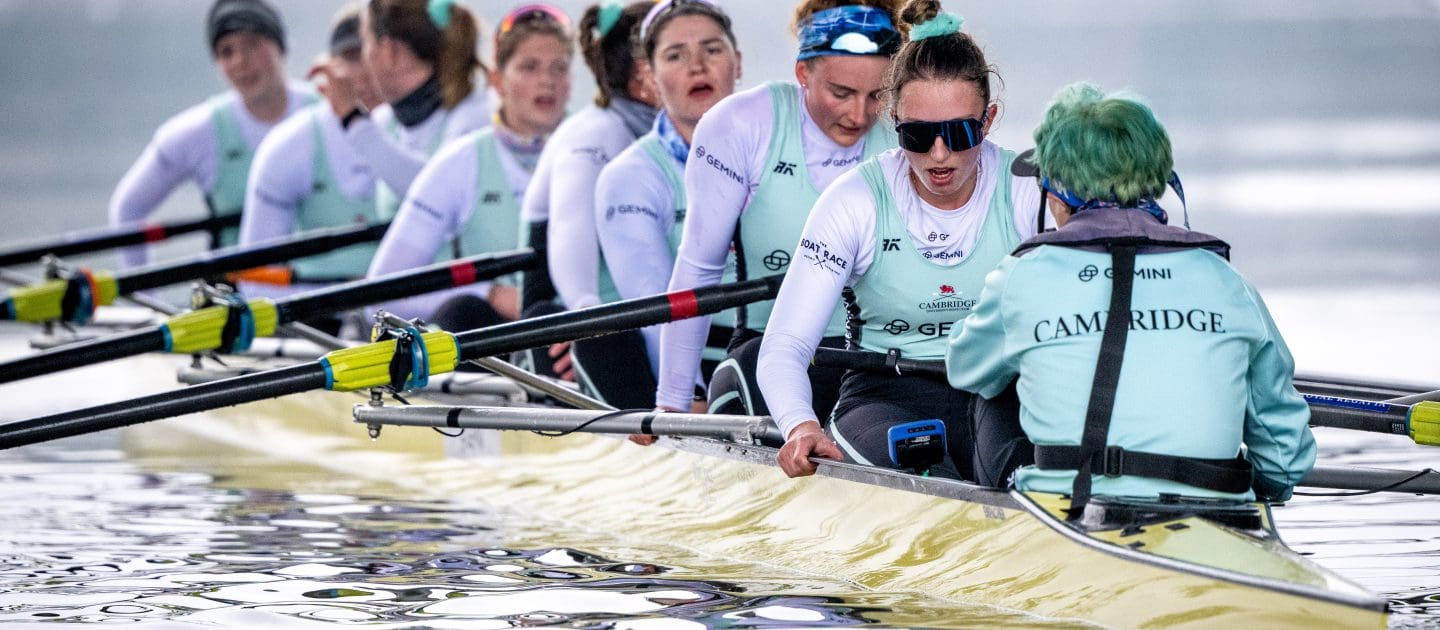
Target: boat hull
pixel 879 529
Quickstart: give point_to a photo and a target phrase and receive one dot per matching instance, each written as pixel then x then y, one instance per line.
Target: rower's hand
pixel 336 85
pixel 561 364
pixel 647 440
pixel 804 441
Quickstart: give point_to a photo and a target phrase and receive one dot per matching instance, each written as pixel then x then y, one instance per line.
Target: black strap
pixel 74 302
pixel 1107 374
pixel 1221 475
pixel 402 363
pixel 230 332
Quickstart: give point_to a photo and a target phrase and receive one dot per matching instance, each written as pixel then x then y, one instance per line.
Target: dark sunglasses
pixel 958 134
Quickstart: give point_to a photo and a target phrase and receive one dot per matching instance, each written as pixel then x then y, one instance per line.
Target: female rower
pixel 212 144
pixel 466 201
pixel 908 238
pixel 758 161
pixel 1204 368
pixel 558 212
pixel 640 196
pixel 307 177
pixel 421 57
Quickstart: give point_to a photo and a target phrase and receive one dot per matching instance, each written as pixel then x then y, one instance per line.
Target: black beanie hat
pixel 253 16
pixel 345 34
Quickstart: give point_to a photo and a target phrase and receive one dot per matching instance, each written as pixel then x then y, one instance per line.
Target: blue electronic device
pixel 917 446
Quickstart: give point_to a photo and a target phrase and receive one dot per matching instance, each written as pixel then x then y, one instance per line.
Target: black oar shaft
pixel 415 282
pixel 100 240
pixel 88 352
pixel 1338 478
pixel 295 308
pixel 224 393
pixel 238 258
pixel 612 318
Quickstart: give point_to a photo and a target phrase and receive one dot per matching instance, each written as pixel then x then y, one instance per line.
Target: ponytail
pixel 609 52
pixel 438 32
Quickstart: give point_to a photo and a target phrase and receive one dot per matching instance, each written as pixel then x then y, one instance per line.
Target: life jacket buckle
pixel 1114 461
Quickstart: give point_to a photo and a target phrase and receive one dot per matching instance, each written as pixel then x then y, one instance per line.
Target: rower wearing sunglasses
pixel 757 162
pixel 908 239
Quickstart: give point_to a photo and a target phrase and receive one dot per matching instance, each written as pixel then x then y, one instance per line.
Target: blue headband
pixel 852 29
pixel 610 12
pixel 1149 205
pixel 439 11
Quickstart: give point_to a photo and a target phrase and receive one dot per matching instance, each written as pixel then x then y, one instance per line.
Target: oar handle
pixel 878 362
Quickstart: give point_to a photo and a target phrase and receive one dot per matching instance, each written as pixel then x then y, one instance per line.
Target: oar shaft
pixel 237 258
pixel 110 238
pixel 611 318
pixel 413 282
pixel 1338 478
pixel 91 351
pixel 878 362
pixel 288 310
pixel 235 391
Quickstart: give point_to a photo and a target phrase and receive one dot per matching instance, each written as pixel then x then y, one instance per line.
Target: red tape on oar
pixel 462 274
pixel 154 233
pixel 683 305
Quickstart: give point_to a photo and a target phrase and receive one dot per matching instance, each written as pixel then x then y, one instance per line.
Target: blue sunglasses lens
pixel 959 135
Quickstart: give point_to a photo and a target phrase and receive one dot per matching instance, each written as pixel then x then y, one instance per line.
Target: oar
pixel 747 428
pixel 74 298
pixel 109 238
pixel 230 327
pixel 392 362
pixel 1416 416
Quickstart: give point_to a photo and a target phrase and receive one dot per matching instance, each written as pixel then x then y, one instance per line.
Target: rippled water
pixel 88 536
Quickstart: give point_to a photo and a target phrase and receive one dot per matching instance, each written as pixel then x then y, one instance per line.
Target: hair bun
pixel 917 12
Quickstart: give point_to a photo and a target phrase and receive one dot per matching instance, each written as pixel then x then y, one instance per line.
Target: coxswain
pixel 1147 365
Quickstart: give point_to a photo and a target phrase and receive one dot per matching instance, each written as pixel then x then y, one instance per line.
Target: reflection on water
pixel 88 537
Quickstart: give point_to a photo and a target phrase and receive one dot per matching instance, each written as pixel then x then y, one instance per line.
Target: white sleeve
pixel 841 232
pixel 439 203
pixel 280 177
pixel 184 148
pixel 720 174
pixel 573 251
pixel 634 213
pixel 1025 199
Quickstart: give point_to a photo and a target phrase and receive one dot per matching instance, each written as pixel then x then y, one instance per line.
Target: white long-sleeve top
pixel 844 219
pixel 186 148
pixel 396 153
pixel 634 216
pixel 727 159
pixel 283 175
pixel 438 207
pixel 564 194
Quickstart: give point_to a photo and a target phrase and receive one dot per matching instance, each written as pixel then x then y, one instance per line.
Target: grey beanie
pixel 253 16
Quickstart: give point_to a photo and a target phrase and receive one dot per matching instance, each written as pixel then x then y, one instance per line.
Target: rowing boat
pixel 877 528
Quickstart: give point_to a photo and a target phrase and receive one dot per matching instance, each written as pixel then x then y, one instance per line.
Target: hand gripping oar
pixel 230 327
pixel 374 365
pixel 74 298
pixel 109 238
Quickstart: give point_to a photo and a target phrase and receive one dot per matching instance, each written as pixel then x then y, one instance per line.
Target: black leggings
pixel 983 438
pixel 614 368
pixel 734 390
